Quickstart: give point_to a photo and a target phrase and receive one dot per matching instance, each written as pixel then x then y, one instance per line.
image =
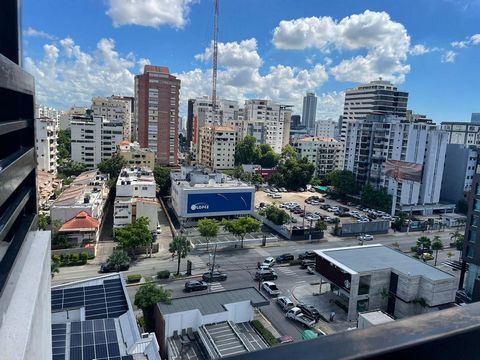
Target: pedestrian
pixel 258 265
pixel 173 256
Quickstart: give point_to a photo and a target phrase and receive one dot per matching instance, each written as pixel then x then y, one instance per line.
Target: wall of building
pixel 460 164
pixel 240 312
pixel 149 210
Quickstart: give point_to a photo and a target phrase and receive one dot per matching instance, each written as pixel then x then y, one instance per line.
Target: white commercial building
pixel 94 139
pixel 46 135
pixel 42 111
pixel 198 193
pixel 115 109
pixel 88 192
pixel 216 147
pixel 268 122
pixel 326 154
pixel 135 197
pixel 377 97
pixel 372 143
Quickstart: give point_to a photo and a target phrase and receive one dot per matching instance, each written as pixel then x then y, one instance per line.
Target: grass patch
pixel 135 278
pixel 164 274
pixel 266 334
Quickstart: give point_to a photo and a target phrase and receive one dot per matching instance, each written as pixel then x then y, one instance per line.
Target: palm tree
pixel 180 246
pixel 437 245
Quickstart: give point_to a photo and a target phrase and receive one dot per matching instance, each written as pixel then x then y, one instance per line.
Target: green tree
pixel 276 215
pixel 208 228
pixel 134 235
pixel 112 166
pixel 424 243
pixel 180 246
pixel 162 179
pixel 242 226
pixel 267 157
pixel 71 168
pixel 147 296
pixel 343 181
pixel 289 151
pixel 437 245
pixel 462 206
pixel 118 259
pixel 400 221
pixel 376 199
pixel 246 151
pixel 64 145
pixel 43 221
pixel 320 226
pixel 293 173
pixel 54 267
pixel 459 242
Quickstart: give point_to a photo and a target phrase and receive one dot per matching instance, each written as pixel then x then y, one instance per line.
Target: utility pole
pixel 213 267
pixel 214 60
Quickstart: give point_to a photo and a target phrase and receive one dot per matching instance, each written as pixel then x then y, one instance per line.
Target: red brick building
pixel 156 112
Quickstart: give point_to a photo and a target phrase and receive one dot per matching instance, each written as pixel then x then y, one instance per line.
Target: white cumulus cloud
pixel 472 40
pixel 386 41
pixel 31 32
pixel 153 13
pixel 449 57
pixel 419 49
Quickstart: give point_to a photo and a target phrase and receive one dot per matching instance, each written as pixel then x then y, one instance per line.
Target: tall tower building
pixel 309 112
pixel 156 112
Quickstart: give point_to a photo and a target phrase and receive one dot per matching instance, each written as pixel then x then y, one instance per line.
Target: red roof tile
pixel 82 221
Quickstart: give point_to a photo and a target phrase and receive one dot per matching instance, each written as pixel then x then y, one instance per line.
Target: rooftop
pixel 137 175
pixel 317 138
pixel 81 222
pixel 358 259
pixel 87 183
pixel 213 303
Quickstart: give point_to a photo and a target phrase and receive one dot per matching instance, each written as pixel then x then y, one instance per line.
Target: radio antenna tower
pixel 214 59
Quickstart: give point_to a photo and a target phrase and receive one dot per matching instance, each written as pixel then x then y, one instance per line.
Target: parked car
pixel 285 339
pixel 265 274
pixel 276 196
pixel 307 262
pixel 364 237
pixel 307 255
pixel 107 267
pixel 333 208
pixel 284 258
pixel 270 288
pixel 310 311
pixel 296 314
pixel 159 229
pixel 285 303
pixel 195 285
pixel 215 276
pixel 324 206
pixel 269 261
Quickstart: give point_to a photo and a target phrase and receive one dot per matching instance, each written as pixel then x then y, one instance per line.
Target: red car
pixel 285 339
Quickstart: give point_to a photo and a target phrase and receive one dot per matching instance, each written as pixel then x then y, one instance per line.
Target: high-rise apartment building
pixel 42 111
pixel 475 118
pixel 371 143
pixel 309 112
pixel 115 109
pixel 326 128
pixel 94 139
pixel 268 122
pixel 25 309
pixel 296 121
pixel 464 133
pixel 66 117
pixel 46 135
pixel 216 147
pixel 377 97
pixel 156 112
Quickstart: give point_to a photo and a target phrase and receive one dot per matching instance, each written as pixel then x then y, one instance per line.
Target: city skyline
pixel 280 57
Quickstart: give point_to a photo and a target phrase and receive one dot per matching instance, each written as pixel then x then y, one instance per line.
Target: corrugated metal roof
pixel 213 303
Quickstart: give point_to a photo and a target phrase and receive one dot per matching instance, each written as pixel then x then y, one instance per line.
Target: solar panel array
pixel 100 301
pixel 59 336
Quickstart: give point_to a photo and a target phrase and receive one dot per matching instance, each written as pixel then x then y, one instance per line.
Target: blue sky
pixel 276 49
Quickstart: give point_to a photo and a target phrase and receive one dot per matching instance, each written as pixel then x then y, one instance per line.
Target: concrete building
pixel 198 193
pixel 372 143
pixel 42 111
pixel 66 117
pixel 268 122
pixel 216 147
pixel 115 109
pixel 94 139
pixel 377 97
pixel 464 133
pixel 475 119
pixel 156 112
pixel 376 277
pixel 95 318
pixel 47 183
pixel 418 118
pixel 458 173
pixel 368 319
pixel 46 136
pixel 326 154
pixel 25 320
pixel 217 322
pixel 295 121
pixel 309 112
pixel 135 198
pixel 88 192
pixel 135 155
pixel 326 128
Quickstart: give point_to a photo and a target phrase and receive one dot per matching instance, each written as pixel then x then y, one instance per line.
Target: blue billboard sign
pixel 219 202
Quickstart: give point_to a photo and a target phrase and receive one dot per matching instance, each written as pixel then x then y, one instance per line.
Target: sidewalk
pixel 267 324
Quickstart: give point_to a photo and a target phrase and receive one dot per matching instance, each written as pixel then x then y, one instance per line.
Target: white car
pixel 159 229
pixel 285 303
pixel 365 237
pixel 276 196
pixel 270 288
pixel 269 261
pixel 333 209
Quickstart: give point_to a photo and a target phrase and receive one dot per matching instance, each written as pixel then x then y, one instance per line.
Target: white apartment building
pixel 66 117
pixel 216 149
pixel 135 197
pixel 268 122
pixel 464 133
pixel 325 128
pixel 94 139
pixel 371 142
pixel 377 97
pixel 115 109
pixel 46 136
pixel 326 154
pixel 42 111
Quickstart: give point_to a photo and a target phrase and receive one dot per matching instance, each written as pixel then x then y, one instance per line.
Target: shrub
pixel 164 274
pixel 133 278
pixel 56 259
pixel 83 257
pixel 414 249
pixel 295 262
pixel 266 334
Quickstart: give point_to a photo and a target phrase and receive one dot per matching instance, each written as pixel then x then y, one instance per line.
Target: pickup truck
pixel 296 314
pixel 270 288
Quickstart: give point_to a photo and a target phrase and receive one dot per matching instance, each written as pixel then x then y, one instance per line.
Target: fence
pixel 374 227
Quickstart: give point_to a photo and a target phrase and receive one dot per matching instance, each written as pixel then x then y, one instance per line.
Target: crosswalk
pixel 262 252
pixel 216 286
